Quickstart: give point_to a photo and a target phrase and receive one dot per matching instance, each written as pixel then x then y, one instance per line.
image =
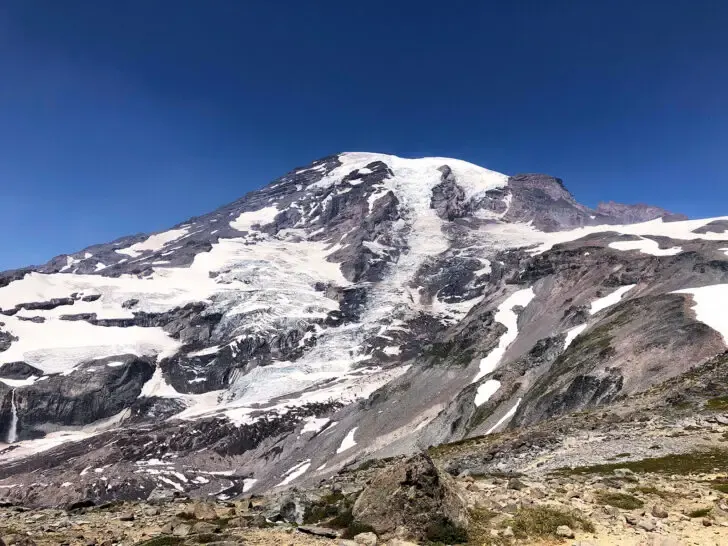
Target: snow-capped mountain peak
pixel 396 301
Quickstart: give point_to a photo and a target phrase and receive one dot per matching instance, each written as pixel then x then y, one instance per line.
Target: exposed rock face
pixel 632 214
pixel 6 340
pixel 545 201
pixel 448 199
pixel 409 498
pixel 362 306
pixel 94 392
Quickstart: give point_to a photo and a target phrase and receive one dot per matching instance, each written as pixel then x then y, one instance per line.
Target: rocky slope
pixel 365 306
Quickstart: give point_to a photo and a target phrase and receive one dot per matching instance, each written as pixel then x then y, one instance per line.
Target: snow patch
pixel 710 306
pixel 573 334
pixel 314 424
pixel 508 318
pixel 153 242
pixel 247 220
pixel 485 391
pixel 19 382
pixel 507 417
pixel 348 442
pixel 611 299
pixel 294 472
pixel 646 246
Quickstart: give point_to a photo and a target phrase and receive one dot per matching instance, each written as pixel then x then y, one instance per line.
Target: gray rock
pixel 182 530
pixel 317 531
pixel 409 496
pixel 204 527
pixel 201 511
pixel 366 539
pixel 564 531
pixel 646 524
pixel 516 484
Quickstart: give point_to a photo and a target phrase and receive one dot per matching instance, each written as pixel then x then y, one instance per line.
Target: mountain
pixel 364 306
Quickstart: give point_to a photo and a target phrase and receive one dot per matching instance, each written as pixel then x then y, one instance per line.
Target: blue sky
pixel 122 117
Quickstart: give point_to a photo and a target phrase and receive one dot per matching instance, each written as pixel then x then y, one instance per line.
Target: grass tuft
pixel 652 490
pixel 699 513
pixel 542 521
pixel 720 403
pixel 619 500
pixel 697 462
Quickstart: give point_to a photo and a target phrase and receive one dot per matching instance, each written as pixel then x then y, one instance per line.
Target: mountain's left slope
pixel 365 305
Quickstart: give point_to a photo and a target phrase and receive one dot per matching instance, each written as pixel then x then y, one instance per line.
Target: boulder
pixel 366 539
pixel 564 531
pixel 413 497
pixel 205 527
pixel 182 530
pixel 201 511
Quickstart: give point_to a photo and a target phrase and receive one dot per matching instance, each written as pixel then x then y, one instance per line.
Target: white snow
pixel 646 246
pixel 611 299
pixel 509 319
pixel 153 242
pixel 711 303
pixel 486 390
pixel 158 386
pixel 314 424
pixel 19 382
pixel 173 483
pixel 507 417
pixel 294 472
pixel 348 442
pixel 206 352
pixel 573 333
pixel 273 275
pixel 70 262
pixel 524 235
pixel 247 220
pixel 57 345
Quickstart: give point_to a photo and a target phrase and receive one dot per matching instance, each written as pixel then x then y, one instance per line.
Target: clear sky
pixel 123 117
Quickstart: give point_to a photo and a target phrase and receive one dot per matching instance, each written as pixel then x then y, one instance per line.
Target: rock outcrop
pixel 411 499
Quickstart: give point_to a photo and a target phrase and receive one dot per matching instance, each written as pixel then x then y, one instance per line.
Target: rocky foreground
pixel 463 493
